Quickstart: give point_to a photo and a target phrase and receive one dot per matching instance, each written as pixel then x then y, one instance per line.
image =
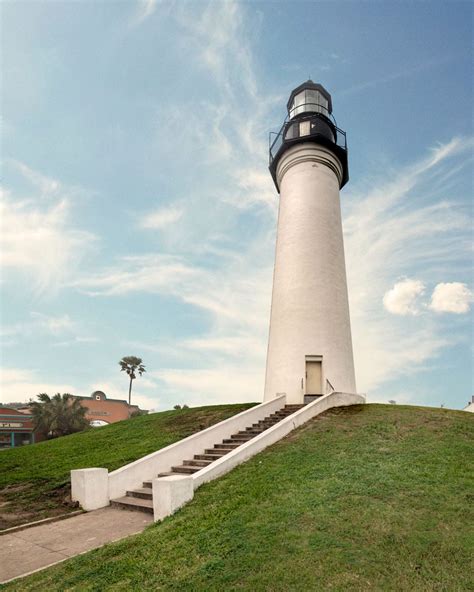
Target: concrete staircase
pixel 142 499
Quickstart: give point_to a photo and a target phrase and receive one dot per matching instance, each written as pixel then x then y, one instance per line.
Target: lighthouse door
pixel 313 378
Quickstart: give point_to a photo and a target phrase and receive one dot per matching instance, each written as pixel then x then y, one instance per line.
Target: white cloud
pixel 47 186
pixel 20 385
pixel 195 387
pixel 220 34
pixel 452 297
pixel 153 273
pixel 400 74
pixel 402 299
pixel 145 8
pixel 161 218
pixel 237 290
pixel 40 325
pixel 38 238
pixel 52 325
pixel 76 341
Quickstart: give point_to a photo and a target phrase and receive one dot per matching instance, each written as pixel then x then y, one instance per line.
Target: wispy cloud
pixel 400 74
pixel 47 186
pixel 38 322
pixel 48 328
pixel 144 9
pixel 77 340
pixel 39 238
pixel 18 384
pixel 161 218
pixel 195 387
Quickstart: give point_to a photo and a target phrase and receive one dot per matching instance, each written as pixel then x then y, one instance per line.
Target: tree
pixel 131 365
pixel 58 415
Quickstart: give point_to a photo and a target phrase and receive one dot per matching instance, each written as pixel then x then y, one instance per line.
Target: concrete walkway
pixel 35 548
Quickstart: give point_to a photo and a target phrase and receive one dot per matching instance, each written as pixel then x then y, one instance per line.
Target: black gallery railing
pixel 311 125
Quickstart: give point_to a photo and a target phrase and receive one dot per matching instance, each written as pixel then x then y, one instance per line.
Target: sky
pixel 138 216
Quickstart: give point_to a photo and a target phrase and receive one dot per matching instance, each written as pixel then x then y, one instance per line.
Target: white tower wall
pixel 310 310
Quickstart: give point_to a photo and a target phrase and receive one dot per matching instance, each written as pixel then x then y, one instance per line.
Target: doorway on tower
pixel 313 378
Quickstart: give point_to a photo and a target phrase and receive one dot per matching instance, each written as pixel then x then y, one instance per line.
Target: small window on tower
pixel 305 128
pixel 97 397
pixel 292 132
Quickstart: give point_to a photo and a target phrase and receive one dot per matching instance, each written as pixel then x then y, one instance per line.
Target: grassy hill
pixel 34 480
pixel 364 498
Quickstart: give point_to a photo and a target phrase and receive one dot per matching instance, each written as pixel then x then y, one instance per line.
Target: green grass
pixel 364 498
pixel 35 482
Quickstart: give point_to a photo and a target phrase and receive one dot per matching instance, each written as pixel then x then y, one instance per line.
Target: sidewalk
pixel 38 547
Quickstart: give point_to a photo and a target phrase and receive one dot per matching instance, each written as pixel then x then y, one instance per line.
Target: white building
pixel 470 406
pixel 310 345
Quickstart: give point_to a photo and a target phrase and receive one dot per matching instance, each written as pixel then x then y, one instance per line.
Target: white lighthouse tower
pixel 310 346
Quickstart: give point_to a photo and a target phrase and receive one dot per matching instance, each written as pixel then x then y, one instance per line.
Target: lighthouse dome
pixel 309 97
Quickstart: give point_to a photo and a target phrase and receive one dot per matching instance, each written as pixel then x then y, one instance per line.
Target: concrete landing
pixel 38 547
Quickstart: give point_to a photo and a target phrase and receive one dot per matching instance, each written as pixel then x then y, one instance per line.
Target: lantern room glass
pixel 309 101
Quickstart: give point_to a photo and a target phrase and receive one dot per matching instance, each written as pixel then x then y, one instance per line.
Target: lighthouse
pixel 309 346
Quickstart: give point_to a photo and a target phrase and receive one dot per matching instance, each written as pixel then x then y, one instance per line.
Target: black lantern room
pixel 309 119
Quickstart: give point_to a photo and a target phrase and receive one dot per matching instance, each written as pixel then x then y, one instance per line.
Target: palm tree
pixel 131 365
pixel 58 415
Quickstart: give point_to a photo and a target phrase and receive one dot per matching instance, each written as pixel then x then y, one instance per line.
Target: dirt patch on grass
pixel 16 497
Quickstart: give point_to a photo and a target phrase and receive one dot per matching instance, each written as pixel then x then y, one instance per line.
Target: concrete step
pixel 208 456
pixel 147 484
pixel 226 446
pixel 187 469
pixel 143 493
pixel 239 435
pixel 219 451
pixel 133 503
pixel 166 474
pixel 197 463
pixel 238 438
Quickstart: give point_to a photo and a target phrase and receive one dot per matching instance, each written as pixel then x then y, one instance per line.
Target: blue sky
pixel 139 217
